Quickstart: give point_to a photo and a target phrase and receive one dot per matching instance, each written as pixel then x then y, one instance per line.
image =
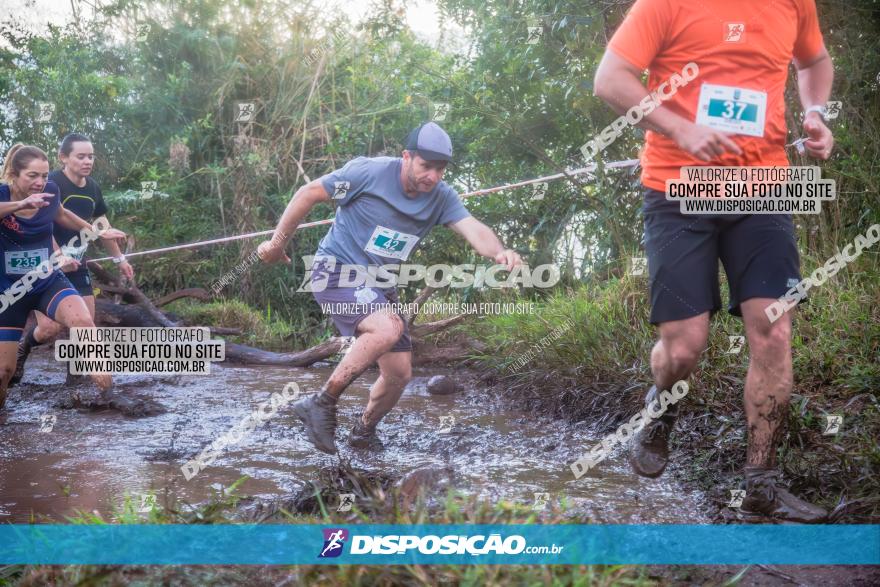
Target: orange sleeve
pixel 643 32
pixel 809 38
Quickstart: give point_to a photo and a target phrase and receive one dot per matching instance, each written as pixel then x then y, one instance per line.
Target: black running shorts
pixel 758 251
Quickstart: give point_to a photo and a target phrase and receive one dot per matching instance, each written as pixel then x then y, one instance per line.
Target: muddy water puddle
pixel 55 461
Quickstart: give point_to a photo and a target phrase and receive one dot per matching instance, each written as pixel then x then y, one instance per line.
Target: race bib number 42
pixel 390 243
pixel 21 262
pixel 732 109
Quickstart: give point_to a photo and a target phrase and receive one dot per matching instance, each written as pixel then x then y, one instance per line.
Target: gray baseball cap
pixel 430 141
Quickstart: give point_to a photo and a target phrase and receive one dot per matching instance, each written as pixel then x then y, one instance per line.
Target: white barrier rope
pixel 483 192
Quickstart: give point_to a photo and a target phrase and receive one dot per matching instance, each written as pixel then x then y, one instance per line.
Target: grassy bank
pixel 584 355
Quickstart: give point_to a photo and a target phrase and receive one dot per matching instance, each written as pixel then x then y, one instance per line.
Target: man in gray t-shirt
pixel 385 207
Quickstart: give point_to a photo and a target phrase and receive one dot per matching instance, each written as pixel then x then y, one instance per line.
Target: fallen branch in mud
pixel 198 293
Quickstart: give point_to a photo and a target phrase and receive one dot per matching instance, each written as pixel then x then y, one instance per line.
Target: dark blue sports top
pixel 27 242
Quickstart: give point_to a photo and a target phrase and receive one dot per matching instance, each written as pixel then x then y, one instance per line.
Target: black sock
pixel 31 340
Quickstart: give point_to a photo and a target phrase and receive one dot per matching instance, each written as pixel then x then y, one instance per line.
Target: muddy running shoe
pixel 319 415
pixel 363 437
pixel 766 496
pixel 649 453
pixel 25 345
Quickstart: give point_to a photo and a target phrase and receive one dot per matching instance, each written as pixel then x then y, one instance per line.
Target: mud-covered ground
pixel 467 442
pixel 473 442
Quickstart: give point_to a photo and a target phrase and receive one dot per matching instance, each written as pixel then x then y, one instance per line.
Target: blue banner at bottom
pixel 375 544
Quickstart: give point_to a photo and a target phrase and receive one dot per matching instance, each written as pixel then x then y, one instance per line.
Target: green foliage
pixel 325 90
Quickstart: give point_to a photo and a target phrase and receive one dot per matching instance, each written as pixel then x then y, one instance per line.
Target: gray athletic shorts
pixel 347 306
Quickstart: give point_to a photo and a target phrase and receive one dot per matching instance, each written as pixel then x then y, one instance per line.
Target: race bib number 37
pixel 731 109
pixel 390 243
pixel 21 262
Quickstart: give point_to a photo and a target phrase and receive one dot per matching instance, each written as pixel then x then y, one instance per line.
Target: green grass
pixel 381 508
pixel 260 328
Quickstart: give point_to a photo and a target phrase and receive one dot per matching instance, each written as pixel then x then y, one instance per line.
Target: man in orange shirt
pixel 743 50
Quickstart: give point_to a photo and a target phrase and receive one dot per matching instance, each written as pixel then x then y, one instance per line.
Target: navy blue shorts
pixel 13 318
pixel 81 281
pixel 758 251
pixel 348 306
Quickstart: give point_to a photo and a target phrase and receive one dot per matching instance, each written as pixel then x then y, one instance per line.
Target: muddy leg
pixel 72 312
pixel 8 354
pixel 378 333
pixel 673 358
pixel 677 353
pixel 395 371
pixel 769 381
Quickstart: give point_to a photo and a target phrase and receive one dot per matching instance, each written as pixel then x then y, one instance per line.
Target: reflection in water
pixel 90 460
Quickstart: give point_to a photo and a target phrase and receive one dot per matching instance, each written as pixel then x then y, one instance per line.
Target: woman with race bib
pixel 29 208
pixel 81 195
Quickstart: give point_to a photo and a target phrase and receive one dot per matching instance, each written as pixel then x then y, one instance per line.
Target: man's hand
pixel 508 257
pixel 703 142
pixel 819 141
pixel 270 252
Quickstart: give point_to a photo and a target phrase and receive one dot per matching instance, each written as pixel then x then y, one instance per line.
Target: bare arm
pixel 484 240
pixel 71 221
pixel 815 79
pixel 29 203
pixel 298 208
pixel 619 83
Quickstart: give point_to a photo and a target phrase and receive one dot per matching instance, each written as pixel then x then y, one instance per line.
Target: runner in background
pixel 81 195
pixel 385 207
pixel 743 51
